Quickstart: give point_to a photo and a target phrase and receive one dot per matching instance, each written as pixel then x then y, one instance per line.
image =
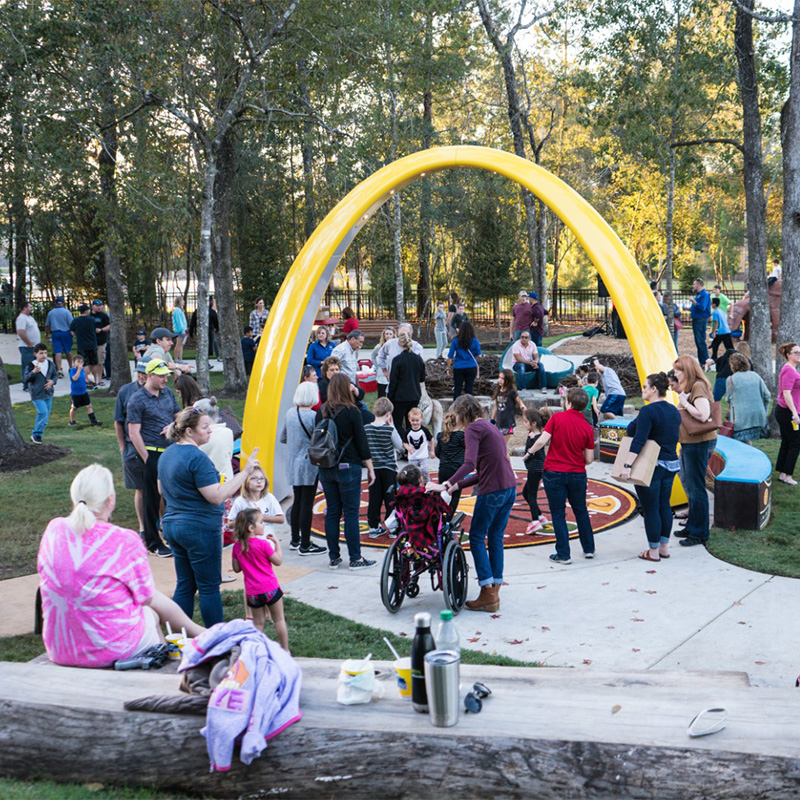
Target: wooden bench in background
pixel 373 328
pixel 544 733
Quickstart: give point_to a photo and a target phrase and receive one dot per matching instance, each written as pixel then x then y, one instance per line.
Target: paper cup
pixel 403 669
pixel 175 642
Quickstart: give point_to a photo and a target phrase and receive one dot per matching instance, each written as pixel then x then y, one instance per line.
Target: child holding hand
pixel 255 554
pixel 534 463
pixel 418 443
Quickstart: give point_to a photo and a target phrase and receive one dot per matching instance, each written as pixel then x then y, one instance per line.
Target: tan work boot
pixel 487 600
pixel 495 588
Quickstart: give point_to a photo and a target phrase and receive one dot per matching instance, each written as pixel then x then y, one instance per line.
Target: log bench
pixel 544 733
pixel 373 328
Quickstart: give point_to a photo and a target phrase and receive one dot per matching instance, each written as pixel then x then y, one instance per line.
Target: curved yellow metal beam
pixel 284 341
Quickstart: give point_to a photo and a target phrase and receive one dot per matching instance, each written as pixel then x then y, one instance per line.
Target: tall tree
pixel 760 327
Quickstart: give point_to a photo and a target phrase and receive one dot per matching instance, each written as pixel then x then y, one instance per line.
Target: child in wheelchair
pixel 421 513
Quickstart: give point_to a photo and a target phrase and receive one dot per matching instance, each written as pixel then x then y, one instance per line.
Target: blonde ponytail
pixel 89 491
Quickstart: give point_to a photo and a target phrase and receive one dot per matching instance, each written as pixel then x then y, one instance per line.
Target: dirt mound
pixel 32 456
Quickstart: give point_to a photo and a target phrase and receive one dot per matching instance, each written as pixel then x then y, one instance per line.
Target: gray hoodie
pixel 34 381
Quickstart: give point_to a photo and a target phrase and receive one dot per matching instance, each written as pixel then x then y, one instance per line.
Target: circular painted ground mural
pixel 608 505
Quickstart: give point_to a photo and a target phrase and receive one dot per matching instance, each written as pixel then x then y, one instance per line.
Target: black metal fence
pixel 566 307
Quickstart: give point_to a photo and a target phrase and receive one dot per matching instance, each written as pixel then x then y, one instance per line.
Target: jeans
pixel 197 552
pixel 43 408
pixel 656 509
pixel 694 461
pixel 536 337
pixel 790 442
pixel 699 327
pixel 561 487
pixel 342 487
pixel 464 381
pixel 719 389
pixel 539 376
pixel 302 513
pixel 25 356
pixel 675 333
pixel 441 342
pixel 489 521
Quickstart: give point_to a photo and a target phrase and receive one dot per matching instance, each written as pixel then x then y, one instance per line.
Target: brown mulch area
pixel 440 384
pixel 608 345
pixel 32 456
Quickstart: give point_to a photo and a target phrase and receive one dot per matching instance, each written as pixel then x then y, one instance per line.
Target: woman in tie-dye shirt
pixel 99 601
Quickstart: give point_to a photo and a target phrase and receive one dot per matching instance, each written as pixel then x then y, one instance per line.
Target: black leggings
pixel 381 493
pixel 302 510
pixel 531 493
pixel 790 442
pixel 445 473
pixel 399 414
pixel 151 501
pixel 464 381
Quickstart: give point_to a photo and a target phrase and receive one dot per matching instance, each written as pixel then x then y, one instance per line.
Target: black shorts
pixel 264 599
pixel 133 468
pixel 80 400
pixel 89 357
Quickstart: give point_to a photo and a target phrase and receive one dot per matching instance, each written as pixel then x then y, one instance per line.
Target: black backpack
pixel 323 448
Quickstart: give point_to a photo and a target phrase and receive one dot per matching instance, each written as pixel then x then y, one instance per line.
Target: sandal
pixel 681 514
pixel 645 556
pixel 664 555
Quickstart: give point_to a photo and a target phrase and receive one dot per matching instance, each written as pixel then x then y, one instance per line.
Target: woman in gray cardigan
pixel 300 472
pixel 748 398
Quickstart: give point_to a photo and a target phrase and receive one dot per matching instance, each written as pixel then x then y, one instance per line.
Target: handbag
pixel 694 427
pixel 678 323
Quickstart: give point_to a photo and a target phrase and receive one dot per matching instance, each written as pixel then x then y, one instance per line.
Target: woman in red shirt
pixel 350 322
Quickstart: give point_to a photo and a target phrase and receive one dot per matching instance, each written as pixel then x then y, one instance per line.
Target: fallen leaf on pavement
pixel 650 571
pixel 615 709
pixel 650 591
pixel 496 616
pixel 474 639
pixel 635 649
pixel 587 660
pixel 545 628
pixel 637 619
pixel 516 641
pixel 761 662
pixel 333 587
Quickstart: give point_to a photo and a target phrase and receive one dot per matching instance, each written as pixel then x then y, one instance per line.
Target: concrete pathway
pixel 616 612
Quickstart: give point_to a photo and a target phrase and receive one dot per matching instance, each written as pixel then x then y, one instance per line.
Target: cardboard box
pixel 644 466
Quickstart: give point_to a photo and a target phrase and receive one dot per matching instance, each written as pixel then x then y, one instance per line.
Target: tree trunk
pixel 232 359
pixel 397 258
pixel 670 239
pixel 790 136
pixel 107 160
pixel 504 52
pixel 424 287
pixel 308 153
pixel 11 442
pixel 205 265
pixel 760 327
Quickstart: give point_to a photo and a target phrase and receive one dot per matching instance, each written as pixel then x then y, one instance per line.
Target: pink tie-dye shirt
pixel 93 587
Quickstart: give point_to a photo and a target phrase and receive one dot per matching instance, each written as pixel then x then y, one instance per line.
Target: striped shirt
pixel 383 441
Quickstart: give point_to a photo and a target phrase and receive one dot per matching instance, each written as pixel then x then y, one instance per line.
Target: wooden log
pixel 543 733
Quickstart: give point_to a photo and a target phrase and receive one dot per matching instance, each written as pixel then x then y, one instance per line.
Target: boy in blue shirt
pixel 249 348
pixel 78 392
pixel 720 330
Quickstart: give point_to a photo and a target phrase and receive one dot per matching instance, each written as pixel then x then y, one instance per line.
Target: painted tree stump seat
pixel 544 733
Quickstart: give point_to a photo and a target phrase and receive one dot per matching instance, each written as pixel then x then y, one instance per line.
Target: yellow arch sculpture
pixel 283 343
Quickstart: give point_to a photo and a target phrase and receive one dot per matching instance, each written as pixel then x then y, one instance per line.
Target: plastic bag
pixel 357 687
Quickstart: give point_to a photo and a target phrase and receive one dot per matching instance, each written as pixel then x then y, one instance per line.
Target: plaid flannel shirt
pixel 422 515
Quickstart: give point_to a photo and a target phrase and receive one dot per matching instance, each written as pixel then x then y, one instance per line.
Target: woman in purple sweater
pixel 486 464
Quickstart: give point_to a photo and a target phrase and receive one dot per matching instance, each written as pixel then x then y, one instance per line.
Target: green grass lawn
pixel 48 790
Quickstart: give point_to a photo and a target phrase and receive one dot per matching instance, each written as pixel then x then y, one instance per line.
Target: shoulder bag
pixel 695 427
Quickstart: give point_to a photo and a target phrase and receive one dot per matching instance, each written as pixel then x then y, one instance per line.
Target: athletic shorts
pixel 506 431
pixel 80 400
pixel 264 599
pixel 62 342
pixel 613 404
pixel 90 357
pixel 133 468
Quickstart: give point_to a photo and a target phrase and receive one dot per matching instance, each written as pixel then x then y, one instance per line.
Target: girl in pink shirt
pixel 99 602
pixel 254 554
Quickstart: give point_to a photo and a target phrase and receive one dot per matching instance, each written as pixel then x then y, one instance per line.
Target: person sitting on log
pixel 99 602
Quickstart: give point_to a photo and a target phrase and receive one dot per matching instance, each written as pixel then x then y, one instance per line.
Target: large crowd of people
pixel 177 458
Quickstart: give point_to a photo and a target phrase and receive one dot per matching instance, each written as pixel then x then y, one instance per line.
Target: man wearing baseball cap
pixel 132 464
pixel 84 327
pixel 521 316
pixel 150 410
pixel 538 313
pixel 56 326
pixel 161 341
pixel 103 327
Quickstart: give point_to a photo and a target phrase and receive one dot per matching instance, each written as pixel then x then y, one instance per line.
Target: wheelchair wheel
pixel 454 577
pixel 394 576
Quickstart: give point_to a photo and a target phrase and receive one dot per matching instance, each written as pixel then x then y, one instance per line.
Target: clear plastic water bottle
pixel 447 635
